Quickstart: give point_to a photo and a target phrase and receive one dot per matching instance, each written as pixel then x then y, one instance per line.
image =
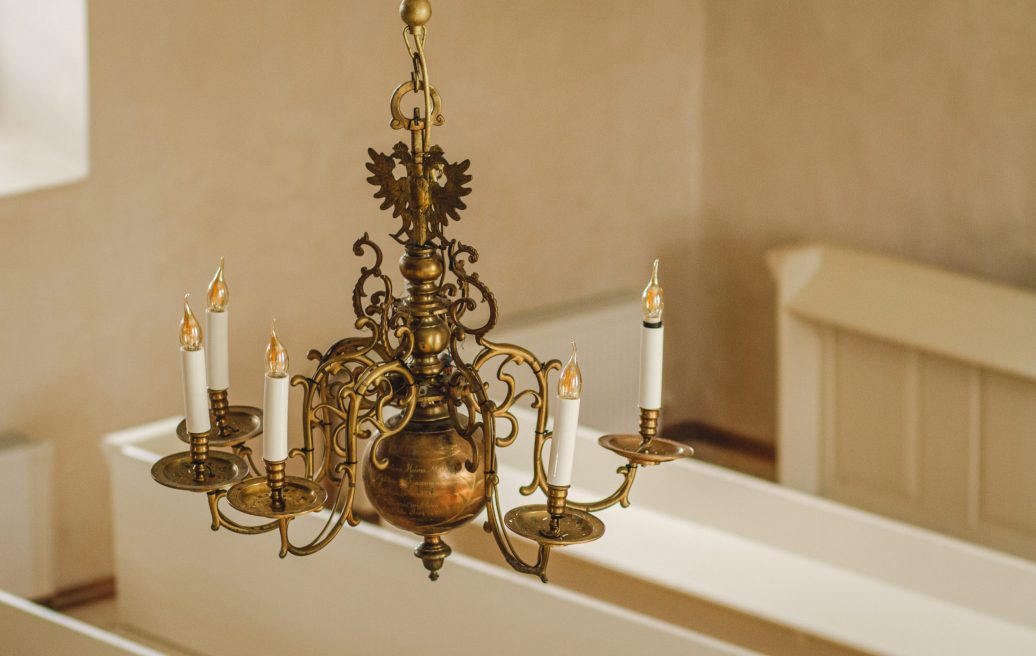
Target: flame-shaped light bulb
pixel 219 295
pixel 651 299
pixel 276 355
pixel 570 382
pixel 190 329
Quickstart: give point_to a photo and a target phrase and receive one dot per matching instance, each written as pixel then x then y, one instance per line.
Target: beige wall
pixel 908 128
pixel 240 128
pixel 601 134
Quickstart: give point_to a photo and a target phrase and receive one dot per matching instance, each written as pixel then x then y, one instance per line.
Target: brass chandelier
pixel 404 387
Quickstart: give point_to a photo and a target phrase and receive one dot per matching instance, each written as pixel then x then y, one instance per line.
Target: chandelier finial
pixel 415 13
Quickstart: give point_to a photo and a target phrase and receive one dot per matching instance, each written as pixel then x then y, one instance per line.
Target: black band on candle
pixel 652 325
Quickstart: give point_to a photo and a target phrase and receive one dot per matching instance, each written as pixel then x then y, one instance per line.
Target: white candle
pixel 275 402
pixel 566 422
pixel 217 318
pixel 651 338
pixel 192 370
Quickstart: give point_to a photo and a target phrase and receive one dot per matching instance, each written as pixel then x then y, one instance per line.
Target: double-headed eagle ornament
pixel 437 191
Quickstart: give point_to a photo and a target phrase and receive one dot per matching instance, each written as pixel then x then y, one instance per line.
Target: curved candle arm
pixel 341 514
pixel 244 452
pixel 354 407
pixel 619 496
pixel 540 403
pixel 494 525
pixel 220 520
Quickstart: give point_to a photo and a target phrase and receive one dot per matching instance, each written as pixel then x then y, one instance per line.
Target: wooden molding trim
pixel 79 595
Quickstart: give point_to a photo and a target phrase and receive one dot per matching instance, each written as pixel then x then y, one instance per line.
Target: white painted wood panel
pixel 927 393
pixel 870 416
pixel 1006 488
pixel 30 630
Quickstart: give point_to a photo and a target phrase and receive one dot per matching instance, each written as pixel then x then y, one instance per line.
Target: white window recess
pixel 44 107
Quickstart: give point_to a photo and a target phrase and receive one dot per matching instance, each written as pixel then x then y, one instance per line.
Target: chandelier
pixel 404 387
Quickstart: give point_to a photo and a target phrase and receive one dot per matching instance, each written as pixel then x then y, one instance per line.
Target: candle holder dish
pixel 431 421
pixel 254 496
pixel 645 453
pixel 199 470
pixel 646 449
pixel 232 425
pixel 554 524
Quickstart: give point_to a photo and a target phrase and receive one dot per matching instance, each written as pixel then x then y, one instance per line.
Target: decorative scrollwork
pixel 383 308
pixel 461 392
pixel 467 386
pixel 377 381
pixel 517 356
pixel 381 300
pixel 459 255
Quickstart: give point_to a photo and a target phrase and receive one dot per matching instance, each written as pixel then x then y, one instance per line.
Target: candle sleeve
pixel 218 356
pixel 651 366
pixel 563 443
pixel 275 418
pixel 195 399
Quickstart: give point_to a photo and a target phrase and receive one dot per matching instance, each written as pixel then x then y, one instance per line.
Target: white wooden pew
pixel 27 629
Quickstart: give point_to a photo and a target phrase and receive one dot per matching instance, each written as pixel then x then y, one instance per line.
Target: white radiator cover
pixel 26 485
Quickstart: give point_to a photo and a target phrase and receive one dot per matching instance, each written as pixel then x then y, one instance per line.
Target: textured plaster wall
pixel 906 128
pixel 240 128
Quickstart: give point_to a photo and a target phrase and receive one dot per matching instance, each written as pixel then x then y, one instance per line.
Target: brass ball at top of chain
pixel 415 13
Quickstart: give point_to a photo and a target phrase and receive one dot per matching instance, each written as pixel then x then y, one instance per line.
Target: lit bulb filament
pixel 570 382
pixel 190 329
pixel 219 295
pixel 652 301
pixel 276 356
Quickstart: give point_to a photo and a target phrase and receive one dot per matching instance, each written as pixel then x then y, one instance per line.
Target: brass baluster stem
pixel 648 425
pixel 275 479
pixel 199 455
pixel 219 405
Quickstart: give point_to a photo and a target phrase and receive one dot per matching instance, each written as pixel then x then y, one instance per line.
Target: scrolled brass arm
pixel 619 496
pixel 341 513
pixel 494 525
pixel 220 520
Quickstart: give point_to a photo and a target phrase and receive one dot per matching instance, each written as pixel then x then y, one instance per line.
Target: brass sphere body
pixel 415 13
pixel 426 488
